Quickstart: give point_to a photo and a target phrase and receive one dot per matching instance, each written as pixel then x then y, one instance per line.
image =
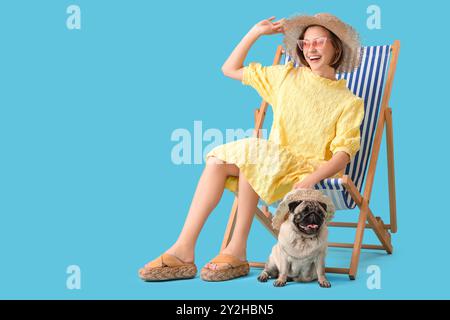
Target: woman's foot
pixel 175 263
pixel 228 265
pixel 183 253
pixel 237 253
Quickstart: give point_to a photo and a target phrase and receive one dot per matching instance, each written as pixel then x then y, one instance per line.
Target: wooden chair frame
pixel 366 219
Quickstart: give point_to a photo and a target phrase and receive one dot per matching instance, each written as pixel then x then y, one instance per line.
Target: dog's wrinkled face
pixel 307 216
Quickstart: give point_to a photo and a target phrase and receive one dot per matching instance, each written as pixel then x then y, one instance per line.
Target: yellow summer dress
pixel 313 118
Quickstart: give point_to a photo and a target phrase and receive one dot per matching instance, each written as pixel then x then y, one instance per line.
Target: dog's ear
pixel 294 205
pixel 323 205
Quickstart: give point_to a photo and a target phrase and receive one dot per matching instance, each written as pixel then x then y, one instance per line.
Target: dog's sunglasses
pixel 306 44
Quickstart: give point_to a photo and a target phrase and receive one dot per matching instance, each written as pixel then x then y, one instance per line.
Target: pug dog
pixel 299 254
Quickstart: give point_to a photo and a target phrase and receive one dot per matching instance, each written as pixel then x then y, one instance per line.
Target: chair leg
pixel 230 226
pixel 358 239
pixel 383 235
pixel 266 222
pixel 391 174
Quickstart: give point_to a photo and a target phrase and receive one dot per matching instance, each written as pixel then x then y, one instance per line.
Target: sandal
pixel 167 267
pixel 237 268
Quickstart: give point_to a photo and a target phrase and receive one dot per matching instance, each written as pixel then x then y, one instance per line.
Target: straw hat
pixel 301 194
pixel 352 51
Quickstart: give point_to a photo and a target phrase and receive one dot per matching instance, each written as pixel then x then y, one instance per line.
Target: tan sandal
pixel 237 268
pixel 167 267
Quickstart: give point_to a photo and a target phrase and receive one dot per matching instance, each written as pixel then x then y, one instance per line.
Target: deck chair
pixel 346 193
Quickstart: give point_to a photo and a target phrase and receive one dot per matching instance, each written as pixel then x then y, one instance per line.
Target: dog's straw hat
pixel 352 51
pixel 301 194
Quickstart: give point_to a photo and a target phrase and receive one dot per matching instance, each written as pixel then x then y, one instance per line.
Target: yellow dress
pixel 313 118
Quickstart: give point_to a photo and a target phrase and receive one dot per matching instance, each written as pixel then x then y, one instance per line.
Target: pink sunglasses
pixel 316 43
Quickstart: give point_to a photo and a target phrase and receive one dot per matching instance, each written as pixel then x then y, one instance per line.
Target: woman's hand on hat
pixel 266 26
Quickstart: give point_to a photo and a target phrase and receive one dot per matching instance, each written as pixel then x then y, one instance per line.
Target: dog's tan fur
pixel 297 256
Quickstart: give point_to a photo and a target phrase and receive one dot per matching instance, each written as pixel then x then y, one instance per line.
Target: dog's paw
pixel 263 277
pixel 324 283
pixel 279 283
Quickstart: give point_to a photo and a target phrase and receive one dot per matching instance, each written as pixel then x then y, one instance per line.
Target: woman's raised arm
pixel 233 66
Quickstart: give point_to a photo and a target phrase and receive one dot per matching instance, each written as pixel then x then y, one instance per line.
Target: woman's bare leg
pixel 206 197
pixel 247 202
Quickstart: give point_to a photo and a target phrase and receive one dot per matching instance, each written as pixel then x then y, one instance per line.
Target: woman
pixel 314 135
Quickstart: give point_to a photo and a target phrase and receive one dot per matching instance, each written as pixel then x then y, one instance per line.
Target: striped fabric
pixel 366 82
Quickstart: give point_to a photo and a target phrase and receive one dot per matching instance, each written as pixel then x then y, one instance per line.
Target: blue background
pixel 86 117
